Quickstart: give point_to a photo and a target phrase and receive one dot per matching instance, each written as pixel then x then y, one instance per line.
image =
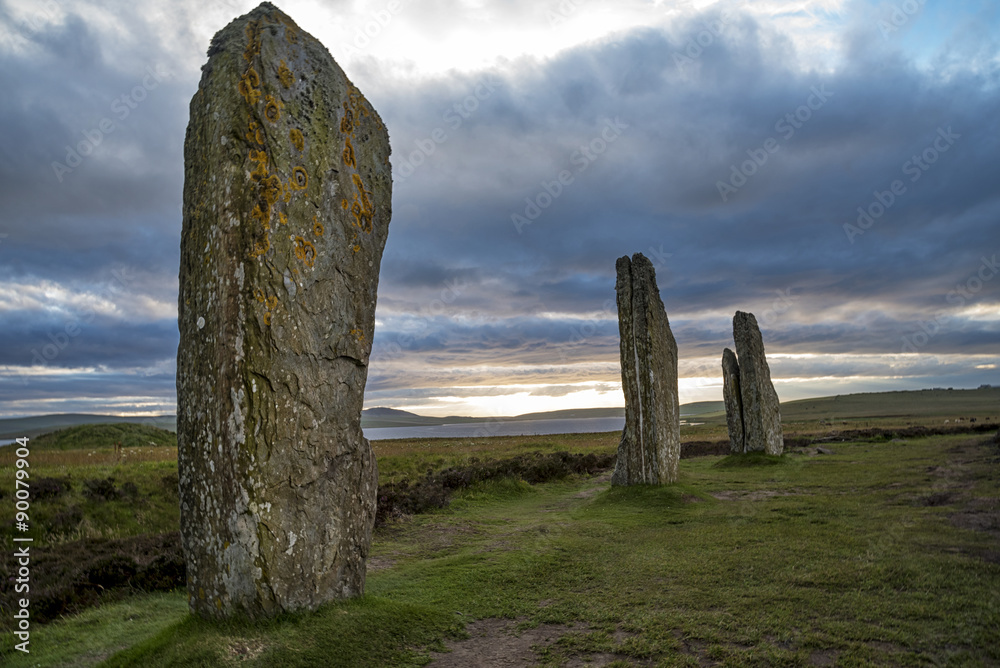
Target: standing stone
pixel 651 444
pixel 286 210
pixel 733 400
pixel 761 415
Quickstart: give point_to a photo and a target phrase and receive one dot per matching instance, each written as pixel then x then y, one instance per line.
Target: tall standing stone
pixel 286 210
pixel 761 414
pixel 733 400
pixel 651 445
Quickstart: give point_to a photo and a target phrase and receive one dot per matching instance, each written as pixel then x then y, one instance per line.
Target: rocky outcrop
pixel 761 416
pixel 286 210
pixel 650 446
pixel 733 400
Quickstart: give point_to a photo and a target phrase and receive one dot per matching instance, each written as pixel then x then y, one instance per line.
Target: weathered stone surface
pixel 733 400
pixel 286 210
pixel 650 446
pixel 761 414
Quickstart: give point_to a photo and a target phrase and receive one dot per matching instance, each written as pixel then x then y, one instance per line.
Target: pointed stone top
pixel 744 318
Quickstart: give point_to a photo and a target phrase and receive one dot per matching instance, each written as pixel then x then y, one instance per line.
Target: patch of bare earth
pixel 496 643
pixel 602 481
pixel 970 462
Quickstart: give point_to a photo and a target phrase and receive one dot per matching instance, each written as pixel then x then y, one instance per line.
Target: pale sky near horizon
pixel 831 166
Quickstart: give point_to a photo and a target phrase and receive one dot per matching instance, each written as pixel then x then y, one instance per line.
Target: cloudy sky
pixel 831 166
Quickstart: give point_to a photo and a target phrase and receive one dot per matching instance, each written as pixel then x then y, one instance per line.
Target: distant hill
pixel 43 424
pixel 87 436
pixel 982 403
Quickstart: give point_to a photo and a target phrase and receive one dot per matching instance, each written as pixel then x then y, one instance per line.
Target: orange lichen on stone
pixel 285 75
pixel 362 208
pixel 255 134
pixel 272 189
pixel 300 178
pixel 347 122
pixel 253 40
pixel 249 86
pixel 356 248
pixel 344 204
pixel 358 334
pixel 305 251
pixel 349 153
pixel 270 303
pixel 317 227
pixel 262 214
pixel 298 141
pixel 260 171
pixel 291 34
pixel 282 218
pixel 261 247
pixel 272 110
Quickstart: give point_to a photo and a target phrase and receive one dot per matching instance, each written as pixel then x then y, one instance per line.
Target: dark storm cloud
pixel 821 144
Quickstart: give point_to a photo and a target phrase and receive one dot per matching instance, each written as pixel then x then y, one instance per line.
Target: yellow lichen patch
pixel 362 208
pixel 218 603
pixel 261 247
pixel 291 34
pixel 317 227
pixel 356 248
pixel 262 214
pixel 347 122
pixel 272 189
pixel 282 218
pixel 270 303
pixel 249 86
pixel 260 171
pixel 285 75
pixel 349 153
pixel 358 335
pixel 358 103
pixel 300 178
pixel 253 40
pixel 305 251
pixel 255 134
pixel 344 204
pixel 298 141
pixel 272 110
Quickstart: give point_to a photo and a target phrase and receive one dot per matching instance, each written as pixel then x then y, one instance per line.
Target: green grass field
pixel 885 552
